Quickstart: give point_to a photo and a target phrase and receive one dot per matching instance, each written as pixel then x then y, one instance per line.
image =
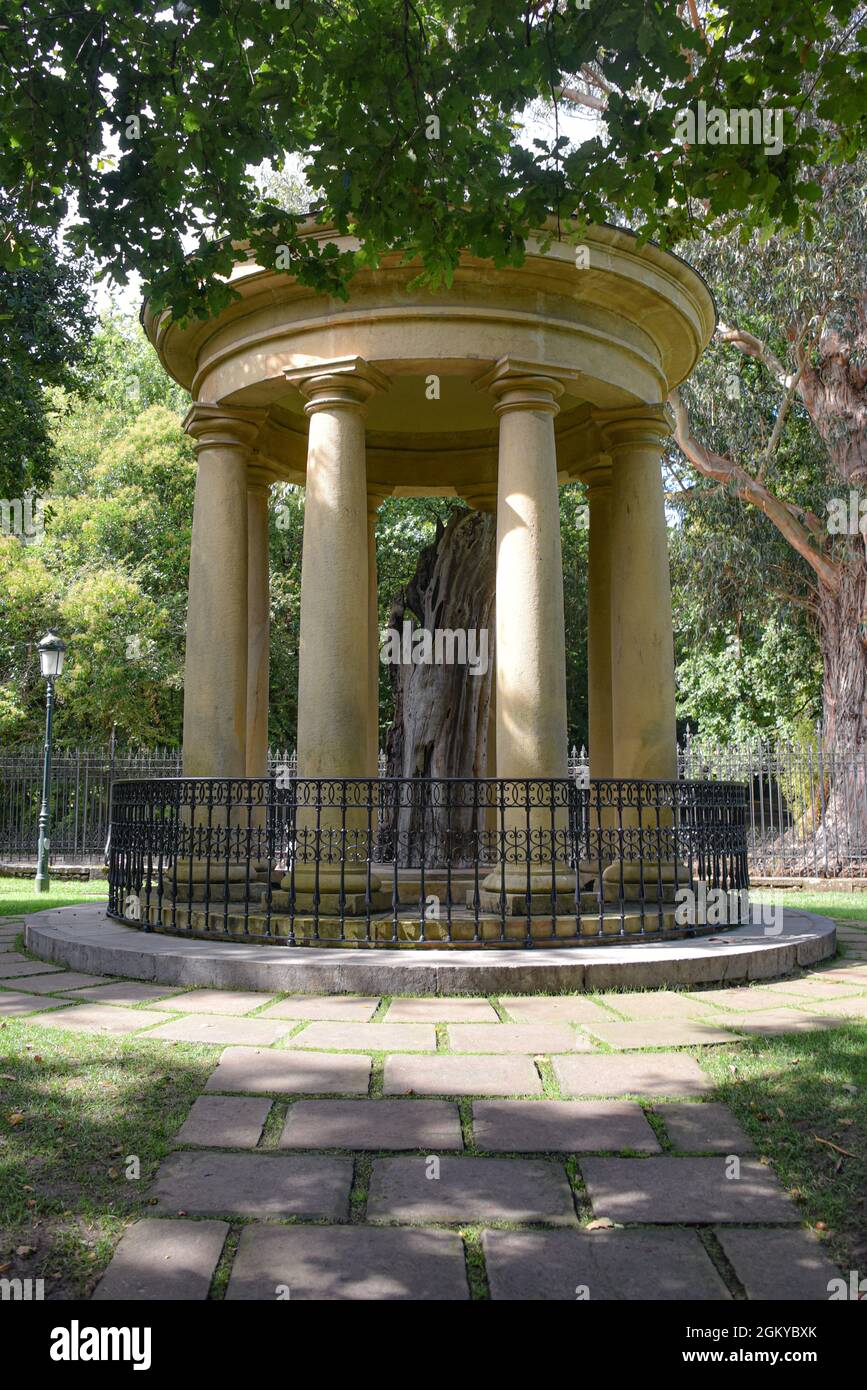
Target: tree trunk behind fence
pixel 440 726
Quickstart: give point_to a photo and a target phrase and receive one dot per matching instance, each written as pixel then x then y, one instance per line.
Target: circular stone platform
pixel 86 939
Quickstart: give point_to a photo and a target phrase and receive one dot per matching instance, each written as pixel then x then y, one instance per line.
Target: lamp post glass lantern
pixel 52 652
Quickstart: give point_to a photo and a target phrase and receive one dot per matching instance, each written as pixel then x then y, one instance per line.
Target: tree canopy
pixel 45 326
pixel 141 125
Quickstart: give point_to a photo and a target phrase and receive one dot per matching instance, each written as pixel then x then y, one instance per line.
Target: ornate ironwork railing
pixel 408 861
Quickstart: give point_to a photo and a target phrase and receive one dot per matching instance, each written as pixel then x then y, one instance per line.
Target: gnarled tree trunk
pixel 440 726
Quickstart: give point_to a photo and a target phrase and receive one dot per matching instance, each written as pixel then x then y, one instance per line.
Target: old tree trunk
pixel 442 712
pixel 833 390
pixel 828 374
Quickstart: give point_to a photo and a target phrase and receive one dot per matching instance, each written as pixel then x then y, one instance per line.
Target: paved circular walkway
pixel 522 1147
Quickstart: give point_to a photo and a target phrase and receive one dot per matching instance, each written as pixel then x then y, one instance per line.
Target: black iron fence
pixel 806 810
pixel 80 797
pixel 408 861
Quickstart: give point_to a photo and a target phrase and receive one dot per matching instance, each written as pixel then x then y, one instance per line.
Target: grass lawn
pixel 840 906
pixel 74 1110
pixel 802 1098
pixel 18 895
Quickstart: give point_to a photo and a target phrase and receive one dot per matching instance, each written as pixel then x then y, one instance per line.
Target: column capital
pixel 215 426
pixel 482 497
pixel 375 498
pixel 260 474
pixel 345 381
pixel 595 473
pixel 521 385
pixel 642 426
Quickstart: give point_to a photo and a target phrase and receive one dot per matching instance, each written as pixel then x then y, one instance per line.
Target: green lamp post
pixel 52 651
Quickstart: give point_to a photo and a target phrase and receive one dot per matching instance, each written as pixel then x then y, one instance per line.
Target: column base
pixel 354 886
pixel 513 887
pixel 634 881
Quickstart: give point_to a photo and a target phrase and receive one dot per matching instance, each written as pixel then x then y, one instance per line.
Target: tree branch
pixel 753 491
pixel 581 98
pixel 751 346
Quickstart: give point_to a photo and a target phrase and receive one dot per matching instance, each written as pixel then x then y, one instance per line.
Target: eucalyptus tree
pixel 775 421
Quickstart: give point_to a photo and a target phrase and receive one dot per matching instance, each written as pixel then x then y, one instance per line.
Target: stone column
pixel 215 673
pixel 642 642
pixel 333 663
pixel 597 479
pixel 259 480
pixel 374 502
pixel 482 497
pixel 530 645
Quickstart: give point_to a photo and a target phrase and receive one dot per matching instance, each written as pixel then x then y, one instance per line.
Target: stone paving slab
pixel 787 1265
pixel 124 992
pixel 740 1001
pixel 225 1122
pixel 653 1004
pixel 528 1038
pixel 375 1037
pixel 561 1126
pixel 338 1008
pixel 254 1185
pixel 54 984
pixel 430 1125
pixel 612 1265
pixel 846 973
pixel 708 1128
pixel 216 1001
pixel 348 1262
pixel 13 963
pixel 547 1008
pixel 470 1189
pixel 665 1191
pixel 441 1011
pixel 459 1076
pixel 843 1008
pixel 749 1001
pixel 812 989
pixel 212 1028
pixel 97 1018
pixel 660 1033
pixel 653 1074
pixel 289 1073
pixel 12 1004
pixel 164 1260
pixel 780 1021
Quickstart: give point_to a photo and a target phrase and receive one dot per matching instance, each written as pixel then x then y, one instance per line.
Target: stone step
pixel 382 929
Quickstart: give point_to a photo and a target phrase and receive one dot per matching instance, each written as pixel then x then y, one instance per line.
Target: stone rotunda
pixel 547 373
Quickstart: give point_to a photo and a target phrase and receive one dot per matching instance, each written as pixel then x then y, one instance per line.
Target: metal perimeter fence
pixel 806 813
